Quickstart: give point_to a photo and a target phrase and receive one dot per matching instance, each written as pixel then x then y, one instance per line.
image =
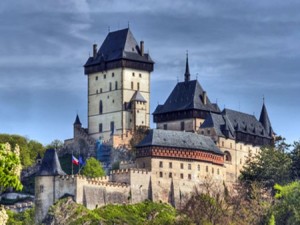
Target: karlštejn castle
pixel 193 141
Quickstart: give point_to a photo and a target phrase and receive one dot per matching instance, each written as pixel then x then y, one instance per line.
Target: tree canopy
pixel 269 166
pixel 29 149
pixel 10 167
pixel 93 168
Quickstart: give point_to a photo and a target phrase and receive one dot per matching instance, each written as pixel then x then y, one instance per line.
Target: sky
pixel 240 52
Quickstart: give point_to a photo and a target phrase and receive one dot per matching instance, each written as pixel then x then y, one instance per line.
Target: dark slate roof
pixel 77 121
pixel 265 121
pixel 137 96
pixel 221 125
pixel 50 165
pixel 179 139
pixel 117 45
pixel 186 95
pixel 229 121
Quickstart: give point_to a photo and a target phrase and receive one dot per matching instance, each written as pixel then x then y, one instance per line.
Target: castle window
pixel 208 131
pixel 181 166
pixel 110 86
pixel 250 153
pixel 170 164
pixel 231 145
pixel 100 107
pixel 212 170
pixel 100 90
pixel 104 76
pixel 222 143
pixel 112 127
pixel 189 166
pixel 131 85
pixel 189 176
pixel 165 126
pixel 140 75
pixel 138 86
pixel 160 164
pixel 96 78
pixel 41 188
pixel 133 74
pixel 206 168
pixel 198 167
pixel 181 175
pixel 100 128
pixel 227 156
pixel 170 175
pixel 182 125
pixel 96 91
pixel 116 85
pixel 160 174
pixel 218 171
pixel 113 74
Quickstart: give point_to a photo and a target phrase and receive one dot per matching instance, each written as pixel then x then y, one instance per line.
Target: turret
pixel 45 194
pixel 265 121
pixel 187 74
pixel 77 125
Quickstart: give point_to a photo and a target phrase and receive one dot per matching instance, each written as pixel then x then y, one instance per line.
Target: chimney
pixel 142 47
pixel 94 50
pixel 204 98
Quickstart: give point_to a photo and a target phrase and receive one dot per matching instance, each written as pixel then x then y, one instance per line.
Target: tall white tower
pixel 118 86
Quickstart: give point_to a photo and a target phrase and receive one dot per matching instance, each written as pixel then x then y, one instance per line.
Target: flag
pixel 81 161
pixel 74 160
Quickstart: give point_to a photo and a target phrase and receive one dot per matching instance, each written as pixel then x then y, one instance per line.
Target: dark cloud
pixel 239 51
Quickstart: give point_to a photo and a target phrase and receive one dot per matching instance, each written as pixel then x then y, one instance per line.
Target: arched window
pixel 116 85
pixel 100 107
pixel 227 156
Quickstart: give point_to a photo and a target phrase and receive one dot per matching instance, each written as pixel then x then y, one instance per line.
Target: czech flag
pixel 74 160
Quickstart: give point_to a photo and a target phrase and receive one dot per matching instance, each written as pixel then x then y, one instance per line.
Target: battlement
pixel 127 164
pixel 96 179
pixel 108 184
pixel 134 170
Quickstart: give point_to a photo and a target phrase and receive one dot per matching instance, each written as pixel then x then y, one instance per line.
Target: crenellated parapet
pixel 133 170
pixel 127 165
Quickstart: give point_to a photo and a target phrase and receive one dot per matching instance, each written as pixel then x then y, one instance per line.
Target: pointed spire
pixel 264 119
pixel 187 68
pixel 77 121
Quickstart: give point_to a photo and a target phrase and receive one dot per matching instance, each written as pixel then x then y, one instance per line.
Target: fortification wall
pixel 140 183
pixel 121 176
pixel 64 185
pixel 98 192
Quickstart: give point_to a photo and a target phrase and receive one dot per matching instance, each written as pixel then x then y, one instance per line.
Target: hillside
pixel 67 212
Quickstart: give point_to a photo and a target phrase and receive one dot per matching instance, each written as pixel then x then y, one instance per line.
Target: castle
pixel 194 140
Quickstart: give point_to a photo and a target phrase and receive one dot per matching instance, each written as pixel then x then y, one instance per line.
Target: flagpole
pixel 79 162
pixel 72 161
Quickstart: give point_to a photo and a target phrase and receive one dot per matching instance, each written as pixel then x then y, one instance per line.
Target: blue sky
pixel 240 51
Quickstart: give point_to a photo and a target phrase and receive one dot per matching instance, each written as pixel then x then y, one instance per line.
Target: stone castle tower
pixel 118 86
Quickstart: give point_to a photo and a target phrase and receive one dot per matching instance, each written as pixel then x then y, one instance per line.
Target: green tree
pixel 55 144
pixel 29 149
pixel 93 168
pixel 295 156
pixel 269 166
pixel 10 167
pixel 287 206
